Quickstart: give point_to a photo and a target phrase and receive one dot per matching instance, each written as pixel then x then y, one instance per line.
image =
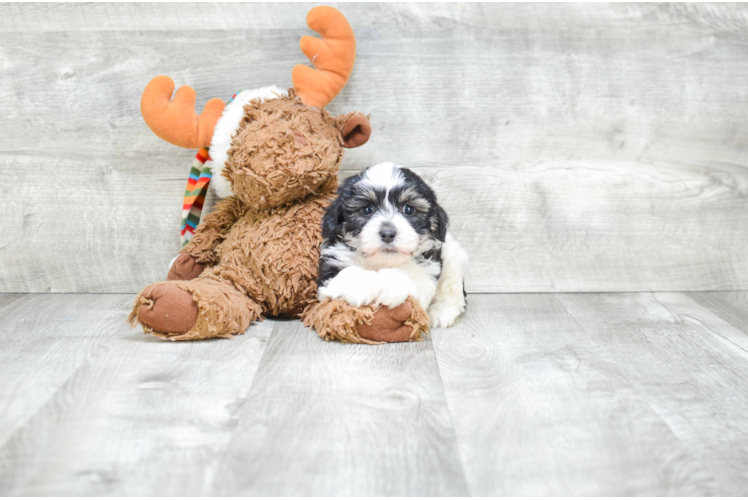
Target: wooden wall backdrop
pixel 580 147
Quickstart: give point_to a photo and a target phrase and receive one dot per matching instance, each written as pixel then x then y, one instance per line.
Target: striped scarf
pixel 194 195
pixel 197 189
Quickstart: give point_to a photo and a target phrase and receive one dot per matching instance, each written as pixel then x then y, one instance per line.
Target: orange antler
pixel 333 56
pixel 175 121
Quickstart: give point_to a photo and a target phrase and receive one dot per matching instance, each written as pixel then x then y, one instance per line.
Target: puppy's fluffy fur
pixel 385 238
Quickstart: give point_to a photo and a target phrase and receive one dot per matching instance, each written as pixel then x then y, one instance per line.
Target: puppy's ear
pixel 332 221
pixel 440 223
pixel 355 129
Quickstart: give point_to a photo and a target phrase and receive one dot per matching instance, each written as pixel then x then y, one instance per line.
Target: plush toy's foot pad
pixel 388 325
pixel 185 268
pixel 167 308
pixel 203 308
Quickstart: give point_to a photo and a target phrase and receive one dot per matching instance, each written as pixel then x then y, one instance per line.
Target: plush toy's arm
pixel 212 230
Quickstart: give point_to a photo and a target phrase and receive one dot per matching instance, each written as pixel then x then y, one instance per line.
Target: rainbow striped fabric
pixel 197 189
pixel 194 195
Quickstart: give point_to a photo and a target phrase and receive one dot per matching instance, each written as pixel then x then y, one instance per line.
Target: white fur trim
pixel 172 263
pixel 225 129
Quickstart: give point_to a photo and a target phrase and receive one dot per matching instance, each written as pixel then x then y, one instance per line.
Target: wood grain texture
pixel 541 409
pixel 98 409
pixel 685 368
pixel 335 419
pixel 258 16
pixel 44 341
pixel 92 199
pixel 529 394
pixel 712 315
pixel 580 226
pixel 730 306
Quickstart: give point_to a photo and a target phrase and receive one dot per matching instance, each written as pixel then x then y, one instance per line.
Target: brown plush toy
pixel 275 158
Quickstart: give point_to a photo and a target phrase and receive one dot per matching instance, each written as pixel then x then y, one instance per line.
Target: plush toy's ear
pixel 355 129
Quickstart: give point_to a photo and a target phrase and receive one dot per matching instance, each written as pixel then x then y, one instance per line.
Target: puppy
pixel 384 238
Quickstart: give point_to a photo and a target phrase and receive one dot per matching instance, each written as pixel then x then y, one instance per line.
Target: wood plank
pixel 546 91
pixel 730 306
pixel 333 419
pixel 691 310
pixel 579 226
pixel 537 227
pixel 44 341
pixel 141 416
pixel 540 409
pixel 7 299
pixel 642 395
pixel 510 97
pixel 445 15
pixel 684 369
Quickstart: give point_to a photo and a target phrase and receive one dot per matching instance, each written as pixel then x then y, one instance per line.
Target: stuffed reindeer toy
pixel 274 156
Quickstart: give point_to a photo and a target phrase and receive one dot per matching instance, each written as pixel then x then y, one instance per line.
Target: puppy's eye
pixel 408 210
pixel 367 210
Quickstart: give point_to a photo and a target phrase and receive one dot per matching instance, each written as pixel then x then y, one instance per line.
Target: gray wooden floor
pixel 530 394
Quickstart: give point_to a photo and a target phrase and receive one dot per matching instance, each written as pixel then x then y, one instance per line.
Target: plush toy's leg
pixel 338 320
pixel 190 310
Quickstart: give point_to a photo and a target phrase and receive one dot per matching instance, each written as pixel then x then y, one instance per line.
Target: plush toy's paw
pixel 388 325
pixel 203 308
pixel 338 320
pixel 185 268
pixel 167 308
pixel 443 315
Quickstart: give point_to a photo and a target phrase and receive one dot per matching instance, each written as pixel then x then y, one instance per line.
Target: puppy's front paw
pixel 394 287
pixel 358 287
pixel 442 315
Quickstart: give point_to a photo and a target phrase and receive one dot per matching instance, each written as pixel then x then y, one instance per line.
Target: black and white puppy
pixel 385 238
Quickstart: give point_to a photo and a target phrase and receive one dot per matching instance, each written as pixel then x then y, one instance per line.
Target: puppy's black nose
pixel 387 234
